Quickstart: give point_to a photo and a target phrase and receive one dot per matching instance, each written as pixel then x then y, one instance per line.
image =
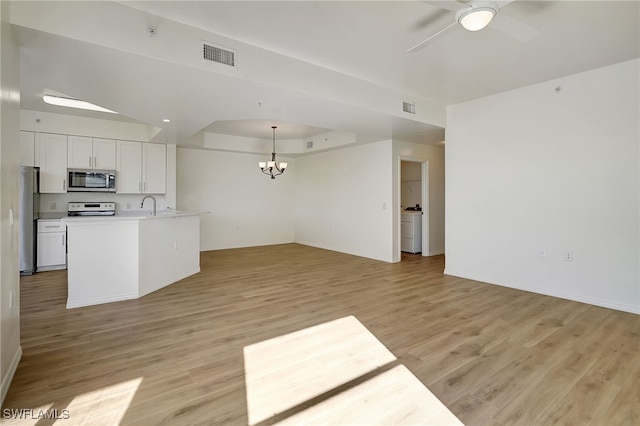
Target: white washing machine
pixel 411 231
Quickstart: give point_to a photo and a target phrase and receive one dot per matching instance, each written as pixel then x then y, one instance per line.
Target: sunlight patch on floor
pixel 107 405
pixel 395 397
pixel 323 366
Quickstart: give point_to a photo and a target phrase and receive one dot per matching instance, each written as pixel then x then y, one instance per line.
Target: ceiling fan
pixel 477 15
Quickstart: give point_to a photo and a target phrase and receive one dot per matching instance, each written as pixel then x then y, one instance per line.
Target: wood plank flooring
pixel 492 355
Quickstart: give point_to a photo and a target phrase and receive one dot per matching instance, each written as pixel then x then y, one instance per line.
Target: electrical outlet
pixel 568 256
pixel 52 206
pixel 542 253
pixel 128 206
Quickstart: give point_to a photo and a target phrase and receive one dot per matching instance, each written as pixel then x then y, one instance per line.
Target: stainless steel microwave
pixel 80 180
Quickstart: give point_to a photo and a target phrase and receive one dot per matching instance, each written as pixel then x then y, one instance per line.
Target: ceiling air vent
pixel 309 144
pixel 409 107
pixel 218 55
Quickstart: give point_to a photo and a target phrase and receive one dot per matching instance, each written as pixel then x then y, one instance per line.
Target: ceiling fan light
pixel 476 18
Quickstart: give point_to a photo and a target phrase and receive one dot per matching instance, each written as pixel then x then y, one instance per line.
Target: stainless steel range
pixel 91 209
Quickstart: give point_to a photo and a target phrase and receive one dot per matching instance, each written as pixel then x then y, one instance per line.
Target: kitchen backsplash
pixel 50 203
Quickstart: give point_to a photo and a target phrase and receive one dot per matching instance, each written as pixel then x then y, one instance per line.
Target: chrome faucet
pixel 154 202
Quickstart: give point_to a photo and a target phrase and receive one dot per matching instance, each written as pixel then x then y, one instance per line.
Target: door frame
pixel 424 185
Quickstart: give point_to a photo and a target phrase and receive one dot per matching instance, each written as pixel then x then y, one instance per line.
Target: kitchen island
pixel 113 258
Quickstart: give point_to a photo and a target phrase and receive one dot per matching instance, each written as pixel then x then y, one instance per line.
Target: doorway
pixel 413 208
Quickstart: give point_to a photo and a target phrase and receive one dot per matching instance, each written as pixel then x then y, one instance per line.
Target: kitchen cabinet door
pixel 104 154
pixel 79 152
pixel 52 245
pixel 53 163
pixel 27 148
pixel 129 167
pixel 154 168
pixel 91 153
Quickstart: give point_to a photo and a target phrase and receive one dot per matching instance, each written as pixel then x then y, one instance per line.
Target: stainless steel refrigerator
pixel 28 211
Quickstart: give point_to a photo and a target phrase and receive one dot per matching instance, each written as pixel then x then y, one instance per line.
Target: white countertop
pixel 130 216
pixel 51 216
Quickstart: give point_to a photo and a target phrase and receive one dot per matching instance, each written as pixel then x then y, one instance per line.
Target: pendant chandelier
pixel 271 167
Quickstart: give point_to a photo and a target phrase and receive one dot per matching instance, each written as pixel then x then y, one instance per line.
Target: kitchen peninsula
pixel 126 257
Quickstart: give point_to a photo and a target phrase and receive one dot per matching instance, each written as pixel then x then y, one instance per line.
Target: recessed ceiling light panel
pixel 74 103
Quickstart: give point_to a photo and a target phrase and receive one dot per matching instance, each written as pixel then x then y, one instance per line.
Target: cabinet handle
pixel 62 239
pixel 90 165
pixel 145 187
pixel 139 186
pixel 64 184
pixel 95 161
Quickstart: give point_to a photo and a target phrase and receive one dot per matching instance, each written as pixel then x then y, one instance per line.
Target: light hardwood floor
pixel 493 355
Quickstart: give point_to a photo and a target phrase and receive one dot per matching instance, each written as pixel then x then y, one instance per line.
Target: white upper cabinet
pixel 91 153
pixel 104 154
pixel 129 167
pixel 27 148
pixel 154 168
pixel 80 152
pixel 53 163
pixel 141 168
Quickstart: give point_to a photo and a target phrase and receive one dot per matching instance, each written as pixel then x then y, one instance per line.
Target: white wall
pixel 433 207
pixel 10 350
pixel 558 170
pixel 246 208
pixel 411 186
pixel 344 200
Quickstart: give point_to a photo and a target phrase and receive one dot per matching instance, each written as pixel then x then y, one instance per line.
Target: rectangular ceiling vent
pixel 309 144
pixel 218 55
pixel 409 107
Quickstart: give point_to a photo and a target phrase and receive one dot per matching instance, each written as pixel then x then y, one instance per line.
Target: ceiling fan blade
pixel 513 27
pixel 502 3
pixel 447 5
pixel 427 41
pixel 429 20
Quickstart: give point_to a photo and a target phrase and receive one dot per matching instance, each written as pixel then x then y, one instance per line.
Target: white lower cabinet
pixel 51 250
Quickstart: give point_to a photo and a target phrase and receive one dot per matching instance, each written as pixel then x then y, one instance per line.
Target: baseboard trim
pixel 8 378
pixel 603 303
pixel 79 303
